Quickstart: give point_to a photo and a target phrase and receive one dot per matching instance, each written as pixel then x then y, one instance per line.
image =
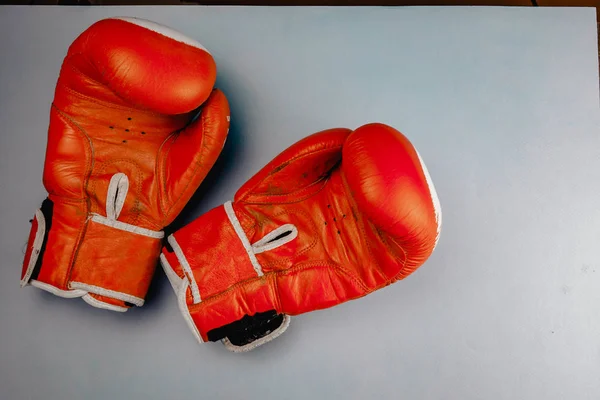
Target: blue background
pixel 502 104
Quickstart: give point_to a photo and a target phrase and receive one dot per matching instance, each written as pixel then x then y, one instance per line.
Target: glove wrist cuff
pixel 108 263
pixel 206 277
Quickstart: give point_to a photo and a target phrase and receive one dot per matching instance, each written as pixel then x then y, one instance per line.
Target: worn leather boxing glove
pixel 135 125
pixel 333 218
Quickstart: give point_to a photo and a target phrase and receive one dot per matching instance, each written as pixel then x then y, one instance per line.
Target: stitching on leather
pixel 271 199
pixel 253 227
pixel 325 149
pixel 359 223
pixel 136 211
pixel 117 107
pixel 274 274
pixel 160 169
pixel 230 289
pixel 109 104
pixel 275 288
pixel 313 234
pixel 155 226
pixel 403 258
pixel 103 84
pixel 68 63
pixel 323 182
pixel 199 161
pixel 324 265
pixel 89 150
pixel 199 164
pixel 89 167
pixel 247 225
pixel 64 199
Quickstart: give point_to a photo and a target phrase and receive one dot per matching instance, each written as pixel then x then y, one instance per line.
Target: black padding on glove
pixel 46 209
pixel 248 329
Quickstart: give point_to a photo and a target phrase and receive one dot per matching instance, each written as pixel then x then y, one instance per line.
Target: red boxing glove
pixel 333 218
pixel 127 148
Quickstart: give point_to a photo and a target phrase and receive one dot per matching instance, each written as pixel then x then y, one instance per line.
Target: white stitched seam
pixel 115 199
pixel 127 227
pixel 36 246
pixel 185 311
pixel 108 293
pixel 175 280
pixel 242 236
pixel 180 292
pixel 259 342
pixel 186 268
pixel 68 294
pixel 100 304
pixel 268 242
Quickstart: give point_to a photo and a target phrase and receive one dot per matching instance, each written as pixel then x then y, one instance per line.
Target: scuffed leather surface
pixel 123 103
pixel 365 217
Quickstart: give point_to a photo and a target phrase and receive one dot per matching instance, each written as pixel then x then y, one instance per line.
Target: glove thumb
pixel 190 155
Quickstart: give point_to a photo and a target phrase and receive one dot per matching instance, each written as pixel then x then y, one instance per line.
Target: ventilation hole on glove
pixel 126 130
pixel 124 141
pixel 325 222
pixel 344 216
pixel 339 233
pixel 334 220
pixel 143 133
pixel 129 119
pixel 328 205
pixel 111 127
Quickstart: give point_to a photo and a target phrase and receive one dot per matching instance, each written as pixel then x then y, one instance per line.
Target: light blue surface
pixel 502 104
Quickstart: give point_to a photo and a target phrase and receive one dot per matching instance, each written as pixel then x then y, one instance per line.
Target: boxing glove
pixel 135 125
pixel 333 218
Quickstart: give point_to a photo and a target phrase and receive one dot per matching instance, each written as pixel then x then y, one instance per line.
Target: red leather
pixel 365 211
pixel 125 104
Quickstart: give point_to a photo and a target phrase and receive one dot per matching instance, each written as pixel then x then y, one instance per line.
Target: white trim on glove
pixel 259 342
pixel 437 207
pixel 243 238
pixel 36 246
pixel 94 302
pixel 277 237
pixel 180 286
pixel 164 30
pixel 115 200
pixel 187 269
